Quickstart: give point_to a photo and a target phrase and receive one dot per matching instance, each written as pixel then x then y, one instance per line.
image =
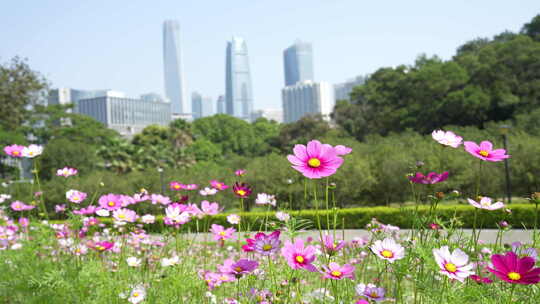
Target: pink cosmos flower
pixel 86 211
pixel 512 269
pixel 110 201
pixel 298 256
pixel 388 249
pixel 315 160
pixel 190 187
pixel 14 150
pixel 371 292
pixel 218 185
pixel 485 151
pixel 243 266
pixel 264 244
pixel 220 233
pixel 20 206
pixel 209 208
pixel 480 280
pixel 75 196
pixel 23 221
pixel 242 190
pixel 66 172
pixel 102 246
pixel 454 265
pixel 176 215
pixel 59 208
pixel 176 186
pixel 335 272
pixel 125 215
pixel 342 150
pixel 240 172
pixel 485 203
pixel 330 246
pixel 447 138
pixel 431 178
pixel 160 199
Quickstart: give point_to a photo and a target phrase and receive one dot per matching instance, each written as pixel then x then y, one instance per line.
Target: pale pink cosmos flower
pixel 160 199
pixel 485 151
pixel 447 138
pixel 209 208
pixel 75 196
pixel 316 160
pixel 220 233
pixel 137 295
pixel 388 250
pixel 486 203
pixel 283 216
pixel 125 215
pixel 218 185
pixel 454 265
pixel 265 199
pixel 208 191
pixel 342 150
pixel 335 272
pixel 86 211
pixel 330 246
pixel 66 172
pixel 298 256
pixel 32 151
pixel 176 215
pixel 14 150
pixel 148 219
pixel 110 201
pixel 60 208
pixel 20 206
pixel 233 219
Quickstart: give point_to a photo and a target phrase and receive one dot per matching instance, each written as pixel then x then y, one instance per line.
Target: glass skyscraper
pixel 201 106
pixel 238 90
pixel 298 63
pixel 172 66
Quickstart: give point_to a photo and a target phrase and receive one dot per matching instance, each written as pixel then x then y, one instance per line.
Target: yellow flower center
pixel 30 153
pixel 514 276
pixel 15 152
pixel 314 162
pixel 374 294
pixel 387 254
pixel 241 192
pixel 336 273
pixel 300 259
pixel 135 294
pixel 75 198
pixel 111 204
pixel 176 186
pixel 100 248
pixel 222 233
pixel 267 247
pixel 484 153
pixel 450 267
pixel 122 216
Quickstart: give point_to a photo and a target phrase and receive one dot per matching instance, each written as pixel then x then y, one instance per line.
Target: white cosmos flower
pixel 447 138
pixel 32 151
pixel 454 265
pixel 133 262
pixel 388 249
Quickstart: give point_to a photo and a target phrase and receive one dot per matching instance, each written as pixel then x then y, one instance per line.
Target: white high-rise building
pixel 342 91
pixel 172 67
pixel 307 98
pixel 298 63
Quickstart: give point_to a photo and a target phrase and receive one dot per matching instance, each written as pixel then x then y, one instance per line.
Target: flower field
pixel 105 250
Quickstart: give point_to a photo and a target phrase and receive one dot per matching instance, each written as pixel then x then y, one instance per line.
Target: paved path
pixel 487 235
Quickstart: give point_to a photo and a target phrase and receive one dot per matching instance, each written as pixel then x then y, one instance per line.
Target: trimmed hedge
pixel 522 216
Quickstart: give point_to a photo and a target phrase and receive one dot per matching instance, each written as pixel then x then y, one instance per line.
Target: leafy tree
pixel 20 87
pixel 63 152
pixel 302 131
pixel 532 29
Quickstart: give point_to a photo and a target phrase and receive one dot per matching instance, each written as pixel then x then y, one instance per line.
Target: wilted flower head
pixel 315 160
pixel 447 138
pixel 265 199
pixel 241 190
pixel 485 151
pixel 66 172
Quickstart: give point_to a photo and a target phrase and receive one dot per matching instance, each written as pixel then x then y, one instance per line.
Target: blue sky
pixel 118 44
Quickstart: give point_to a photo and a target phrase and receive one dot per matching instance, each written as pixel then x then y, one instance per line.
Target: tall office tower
pixel 342 91
pixel 221 107
pixel 201 106
pixel 172 66
pixel 239 95
pixel 307 98
pixel 298 63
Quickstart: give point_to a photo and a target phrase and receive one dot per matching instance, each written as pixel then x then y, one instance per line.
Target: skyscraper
pixel 201 106
pixel 307 98
pixel 238 91
pixel 298 63
pixel 172 66
pixel 221 107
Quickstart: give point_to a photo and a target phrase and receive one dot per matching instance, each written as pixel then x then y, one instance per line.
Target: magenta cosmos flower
pixel 14 150
pixel 110 201
pixel 486 203
pixel 242 190
pixel 447 138
pixel 220 233
pixel 298 256
pixel 336 272
pixel 243 266
pixel 218 185
pixel 264 244
pixel 315 160
pixel 330 246
pixel 429 179
pixel 102 246
pixel 515 270
pixel 240 172
pixel 485 151
pixel 176 186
